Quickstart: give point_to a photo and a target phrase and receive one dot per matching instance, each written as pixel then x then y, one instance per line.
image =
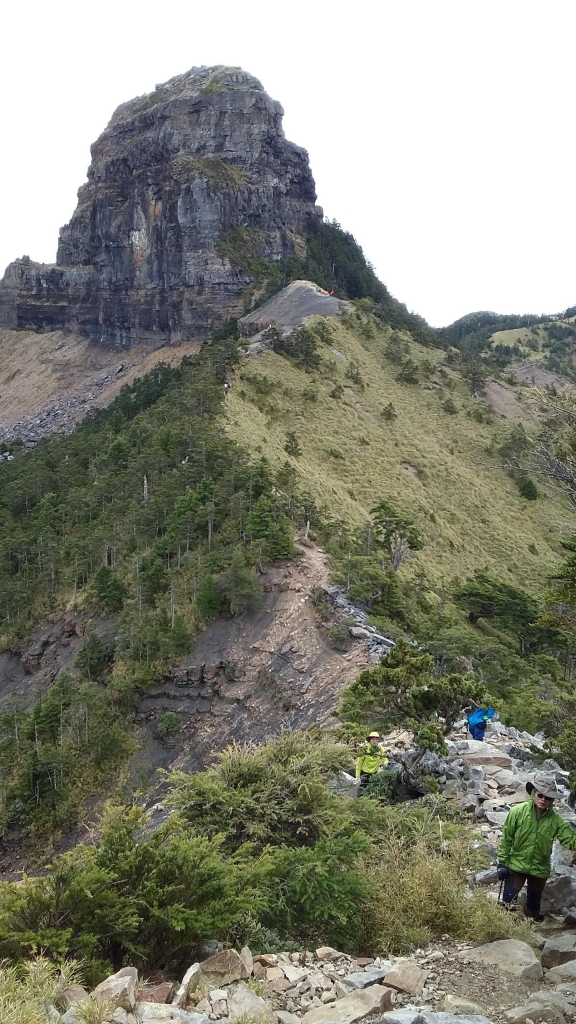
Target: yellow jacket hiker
pixel 371 758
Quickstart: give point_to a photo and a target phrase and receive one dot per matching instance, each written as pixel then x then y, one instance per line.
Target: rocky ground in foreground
pixel 505 982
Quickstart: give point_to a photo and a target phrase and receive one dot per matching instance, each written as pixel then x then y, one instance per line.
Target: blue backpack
pixel 479 715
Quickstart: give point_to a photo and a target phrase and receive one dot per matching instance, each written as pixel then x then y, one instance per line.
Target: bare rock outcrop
pixel 181 182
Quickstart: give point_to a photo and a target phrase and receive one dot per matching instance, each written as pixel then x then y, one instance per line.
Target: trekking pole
pixel 500 900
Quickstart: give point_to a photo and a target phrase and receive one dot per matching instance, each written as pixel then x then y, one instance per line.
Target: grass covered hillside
pixel 380 417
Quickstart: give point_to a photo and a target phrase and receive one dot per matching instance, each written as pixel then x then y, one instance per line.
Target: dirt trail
pixel 247 678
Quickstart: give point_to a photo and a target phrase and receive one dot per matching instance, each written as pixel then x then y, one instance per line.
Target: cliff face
pixel 200 161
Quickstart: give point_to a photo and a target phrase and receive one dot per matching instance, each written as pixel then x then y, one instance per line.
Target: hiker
pixel 526 845
pixel 478 720
pixel 372 758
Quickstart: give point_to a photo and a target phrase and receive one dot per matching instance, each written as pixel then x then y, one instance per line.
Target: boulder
pixel 328 953
pixel 422 1015
pixel 159 994
pixel 407 977
pixel 119 989
pixel 76 994
pixel 479 753
pixel 242 1001
pixel 287 1018
pixel 246 956
pixel 361 979
pixel 454 1004
pixel 559 949
pixel 222 969
pixel 510 955
pixel 274 973
pixel 559 895
pixel 182 993
pixel 353 1007
pixel 563 972
pixel 535 1012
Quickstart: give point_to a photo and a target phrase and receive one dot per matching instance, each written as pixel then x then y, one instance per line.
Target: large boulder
pixel 243 1002
pixel 559 895
pixel 559 949
pixel 362 979
pixel 510 955
pixel 415 1015
pixel 563 972
pixel 222 969
pixel 407 977
pixel 480 753
pixel 119 989
pixel 353 1007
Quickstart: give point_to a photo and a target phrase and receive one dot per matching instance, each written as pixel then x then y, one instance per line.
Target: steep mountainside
pixel 171 176
pixel 365 435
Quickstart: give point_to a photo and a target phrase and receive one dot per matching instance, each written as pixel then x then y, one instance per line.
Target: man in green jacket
pixel 371 758
pixel 526 845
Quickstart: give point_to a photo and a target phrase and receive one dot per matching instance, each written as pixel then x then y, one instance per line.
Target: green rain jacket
pixel 371 759
pixel 526 844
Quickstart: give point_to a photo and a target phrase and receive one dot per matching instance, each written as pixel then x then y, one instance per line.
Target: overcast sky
pixel 440 132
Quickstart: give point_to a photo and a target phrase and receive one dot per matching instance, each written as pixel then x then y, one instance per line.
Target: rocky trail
pixel 447 983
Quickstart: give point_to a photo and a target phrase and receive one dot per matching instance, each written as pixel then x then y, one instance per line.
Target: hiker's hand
pixel 503 871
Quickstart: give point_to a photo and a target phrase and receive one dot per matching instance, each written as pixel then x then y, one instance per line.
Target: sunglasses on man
pixel 550 799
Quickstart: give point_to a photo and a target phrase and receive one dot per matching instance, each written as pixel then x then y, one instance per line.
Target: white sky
pixel 440 132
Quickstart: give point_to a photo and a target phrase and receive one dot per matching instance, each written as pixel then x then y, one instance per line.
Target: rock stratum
pixel 179 182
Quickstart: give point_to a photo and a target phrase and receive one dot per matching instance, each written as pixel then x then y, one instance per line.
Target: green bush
pixel 527 488
pixel 450 406
pixel 169 723
pixel 339 636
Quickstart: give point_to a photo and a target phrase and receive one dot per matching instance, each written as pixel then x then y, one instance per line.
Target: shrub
pixel 450 406
pixel 274 795
pixel 169 723
pixel 92 657
pixel 527 488
pixel 409 373
pixel 27 989
pixel 339 636
pixel 292 446
pixel 337 391
pixel 389 412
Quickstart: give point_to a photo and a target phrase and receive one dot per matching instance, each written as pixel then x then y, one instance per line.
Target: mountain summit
pixel 181 181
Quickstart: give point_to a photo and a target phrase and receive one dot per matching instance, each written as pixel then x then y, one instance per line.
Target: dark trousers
pixel 364 780
pixel 534 889
pixel 477 731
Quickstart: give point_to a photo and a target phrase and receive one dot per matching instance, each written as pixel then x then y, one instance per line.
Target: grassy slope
pixel 481 519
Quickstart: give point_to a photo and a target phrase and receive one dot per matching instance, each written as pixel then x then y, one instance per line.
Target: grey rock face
pixel 176 179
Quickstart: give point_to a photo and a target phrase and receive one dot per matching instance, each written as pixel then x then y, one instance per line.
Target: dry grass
pixel 423 894
pixel 468 509
pixel 28 989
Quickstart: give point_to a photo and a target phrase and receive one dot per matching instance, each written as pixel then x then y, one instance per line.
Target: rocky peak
pixel 181 183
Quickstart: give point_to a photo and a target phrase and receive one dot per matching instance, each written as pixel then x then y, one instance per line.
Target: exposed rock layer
pixel 173 174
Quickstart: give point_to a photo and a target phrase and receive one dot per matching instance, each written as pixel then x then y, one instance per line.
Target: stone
pixel 157 1013
pixel 266 959
pixel 454 1004
pixel 535 1012
pixel 174 173
pixel 75 994
pixel 274 973
pixel 559 895
pixel 511 955
pixel 217 994
pixel 280 986
pixel 287 1018
pixel 242 1001
pixel 182 993
pixel 361 979
pixel 119 989
pixel 204 1006
pixel 563 972
pixel 487 877
pixel 159 994
pixel 209 949
pixel 353 1007
pixel 246 956
pixel 328 953
pixel 222 969
pixel 120 1016
pixel 358 632
pixel 559 949
pixel 407 977
pixel 479 753
pixel 294 974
